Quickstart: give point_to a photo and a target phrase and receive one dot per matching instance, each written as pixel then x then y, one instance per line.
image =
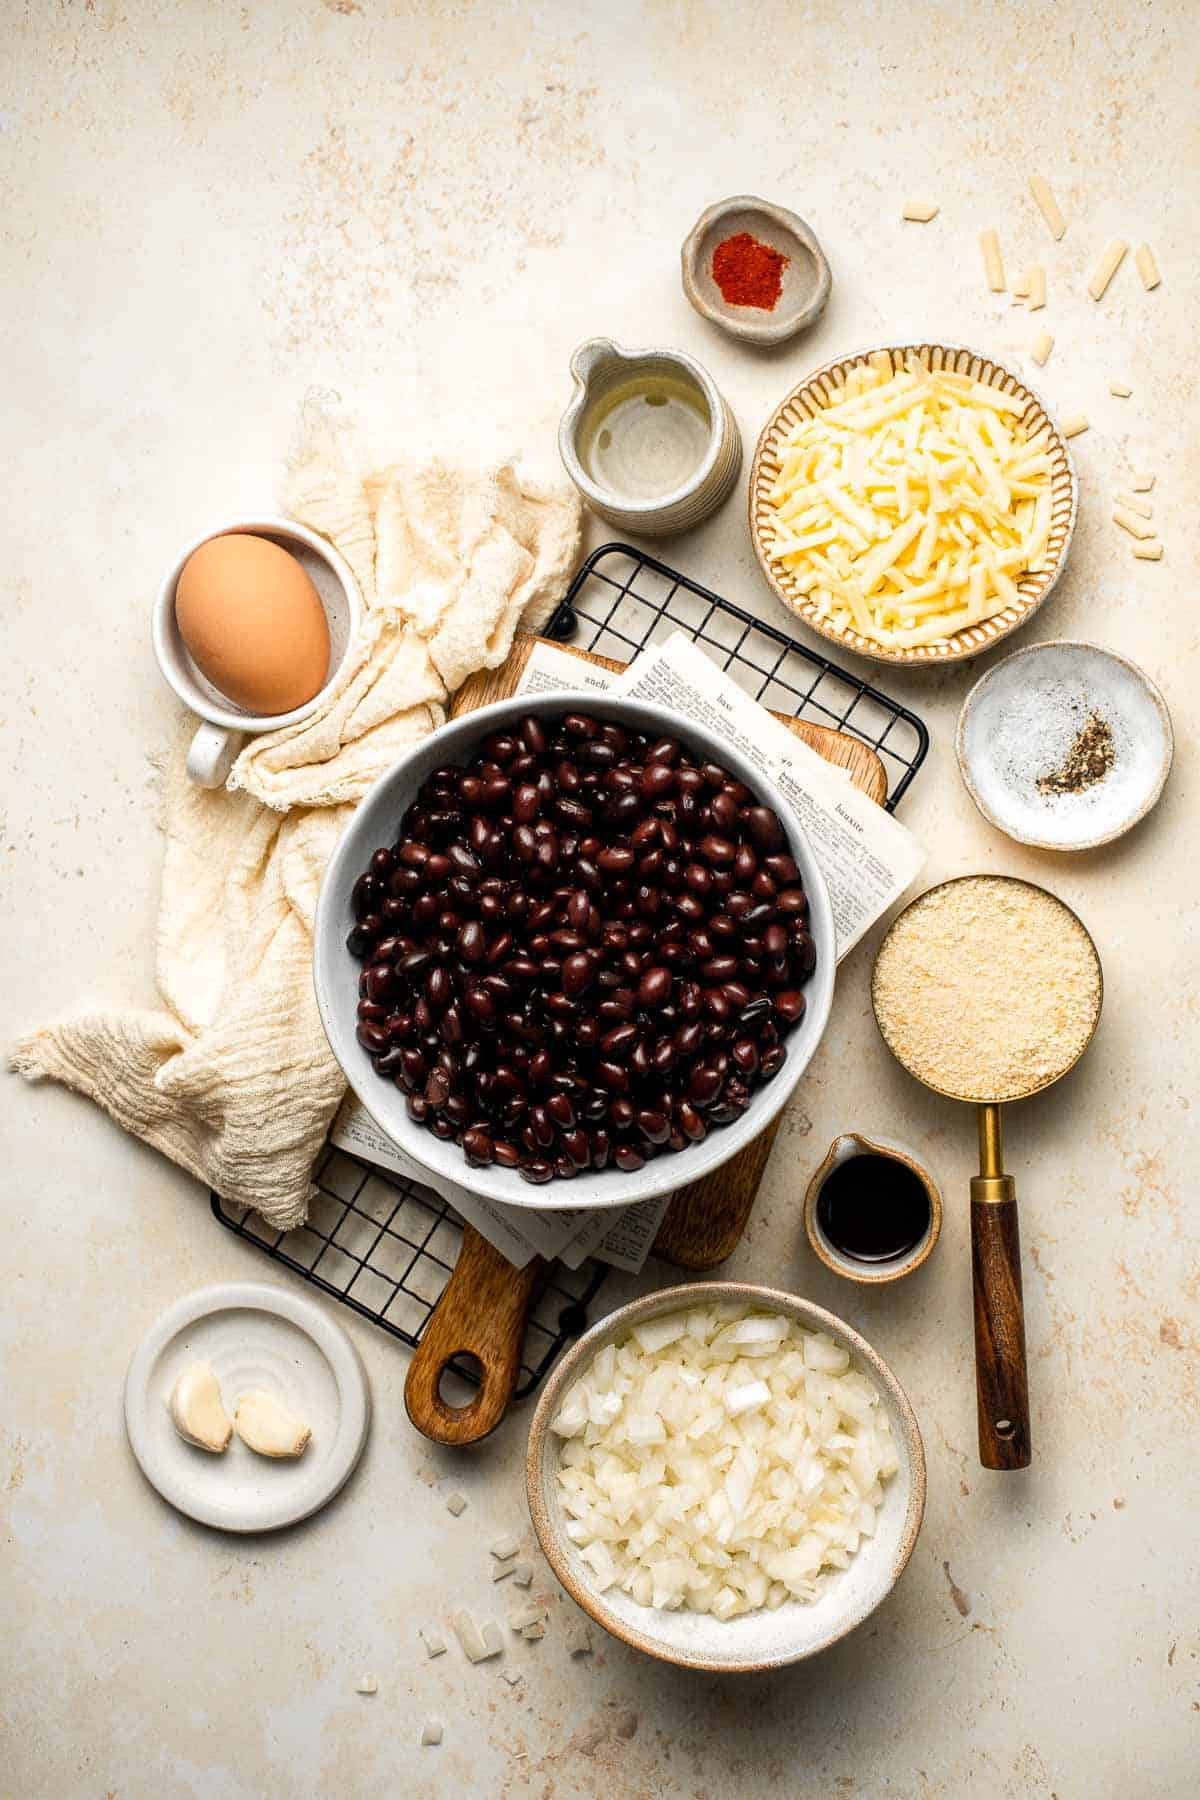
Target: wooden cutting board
pixel 483 1311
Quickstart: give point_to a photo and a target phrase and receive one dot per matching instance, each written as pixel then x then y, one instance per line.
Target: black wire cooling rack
pixel 386 1247
pixel 622 600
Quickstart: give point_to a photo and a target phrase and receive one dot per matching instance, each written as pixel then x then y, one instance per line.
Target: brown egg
pixel 253 623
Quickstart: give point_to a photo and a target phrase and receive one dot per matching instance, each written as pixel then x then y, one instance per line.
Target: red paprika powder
pixel 748 273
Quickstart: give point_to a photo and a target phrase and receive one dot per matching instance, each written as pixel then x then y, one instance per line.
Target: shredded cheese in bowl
pixel 909 506
pixel 721 1460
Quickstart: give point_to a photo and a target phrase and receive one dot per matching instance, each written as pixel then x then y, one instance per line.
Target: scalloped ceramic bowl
pixel 809 398
pixel 757 1640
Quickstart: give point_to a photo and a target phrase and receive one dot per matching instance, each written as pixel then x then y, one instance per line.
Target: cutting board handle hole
pixel 454 1390
pixel 1004 1428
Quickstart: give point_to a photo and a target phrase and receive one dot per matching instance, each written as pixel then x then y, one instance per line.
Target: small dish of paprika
pixel 755 269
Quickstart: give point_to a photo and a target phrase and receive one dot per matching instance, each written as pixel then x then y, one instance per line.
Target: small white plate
pixel 1019 722
pixel 252 1335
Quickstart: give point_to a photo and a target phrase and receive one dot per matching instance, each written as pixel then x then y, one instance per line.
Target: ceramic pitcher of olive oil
pixel 648 439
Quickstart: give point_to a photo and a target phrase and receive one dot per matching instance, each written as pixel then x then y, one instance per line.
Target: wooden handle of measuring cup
pixel 1001 1376
pixel 482 1313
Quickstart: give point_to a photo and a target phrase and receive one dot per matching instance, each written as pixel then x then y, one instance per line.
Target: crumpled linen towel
pixel 233 1078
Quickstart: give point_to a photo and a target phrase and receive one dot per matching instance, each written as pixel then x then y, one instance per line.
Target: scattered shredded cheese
pixel 1040 350
pixel 367 1684
pixel 1020 285
pixel 431 1731
pixel 910 505
pixel 1131 504
pixel 1037 287
pixel 993 267
pixel 1107 267
pixel 1147 268
pixel 1148 552
pixel 919 211
pixel 1130 522
pixel 1047 206
pixel 456 1503
pixel 1120 388
pixel 1141 484
pixel 1073 424
pixel 686 1499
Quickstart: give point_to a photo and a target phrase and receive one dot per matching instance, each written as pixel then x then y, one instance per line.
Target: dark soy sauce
pixel 873 1208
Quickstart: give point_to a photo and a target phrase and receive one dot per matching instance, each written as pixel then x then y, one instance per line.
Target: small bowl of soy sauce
pixel 872 1211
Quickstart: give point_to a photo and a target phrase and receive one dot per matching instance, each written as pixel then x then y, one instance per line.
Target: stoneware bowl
pixel 376 820
pixel 854 1268
pixel 226 725
pixel 806 280
pixel 598 367
pixel 1019 721
pixel 757 1640
pixel 814 393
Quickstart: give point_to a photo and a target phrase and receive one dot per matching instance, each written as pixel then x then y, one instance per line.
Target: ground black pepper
pixel 1087 761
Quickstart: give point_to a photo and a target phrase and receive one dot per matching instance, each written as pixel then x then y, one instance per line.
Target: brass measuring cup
pixel 1001 1377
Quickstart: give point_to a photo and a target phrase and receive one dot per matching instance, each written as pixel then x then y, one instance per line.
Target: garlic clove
pixel 265 1425
pixel 196 1410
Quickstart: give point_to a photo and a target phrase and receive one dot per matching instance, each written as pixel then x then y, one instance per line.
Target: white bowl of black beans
pixel 573 957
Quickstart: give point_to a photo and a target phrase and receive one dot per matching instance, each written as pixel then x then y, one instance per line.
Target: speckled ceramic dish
pixel 809 398
pixel 758 1640
pixel 806 279
pixel 1018 725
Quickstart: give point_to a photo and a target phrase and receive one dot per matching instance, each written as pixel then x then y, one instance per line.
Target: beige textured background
pixel 208 209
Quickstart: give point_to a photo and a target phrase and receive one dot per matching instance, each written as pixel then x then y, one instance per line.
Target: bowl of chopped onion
pixel 725 1476
pixel 913 503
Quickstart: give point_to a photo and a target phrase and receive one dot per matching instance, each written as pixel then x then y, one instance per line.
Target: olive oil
pixel 646 437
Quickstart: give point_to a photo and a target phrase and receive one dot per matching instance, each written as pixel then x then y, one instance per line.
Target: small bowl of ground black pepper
pixel 1064 746
pixel 755 269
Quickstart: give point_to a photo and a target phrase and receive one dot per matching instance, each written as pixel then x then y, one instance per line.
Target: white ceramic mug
pixel 216 744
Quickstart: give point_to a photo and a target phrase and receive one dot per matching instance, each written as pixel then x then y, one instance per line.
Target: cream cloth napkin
pixel 233 1078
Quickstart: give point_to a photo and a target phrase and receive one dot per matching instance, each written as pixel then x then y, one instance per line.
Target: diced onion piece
pixel 478 1643
pixel 656 1334
pixel 431 1731
pixel 502 1548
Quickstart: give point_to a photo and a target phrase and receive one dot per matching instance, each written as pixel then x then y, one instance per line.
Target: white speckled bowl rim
pixel 335 973
pixel 1138 677
pixel 1033 589
pixel 759 1640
